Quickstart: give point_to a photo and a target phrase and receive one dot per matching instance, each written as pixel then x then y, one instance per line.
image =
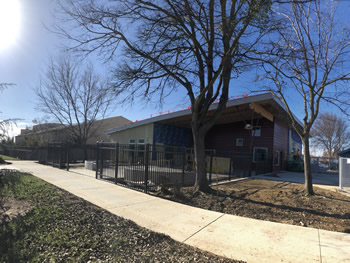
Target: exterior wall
pixel 171 135
pixel 43 137
pixel 101 126
pixel 280 145
pixel 44 133
pixel 294 144
pixel 141 132
pixel 223 137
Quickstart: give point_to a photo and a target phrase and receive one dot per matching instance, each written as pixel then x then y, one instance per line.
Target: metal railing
pixel 150 167
pixel 22 153
pixel 64 155
pixel 324 165
pixel 146 167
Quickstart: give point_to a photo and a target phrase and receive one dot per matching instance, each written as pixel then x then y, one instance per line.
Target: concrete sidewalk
pixel 226 235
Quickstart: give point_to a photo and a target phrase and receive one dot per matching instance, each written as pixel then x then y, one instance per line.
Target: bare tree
pixel 194 45
pixel 307 60
pixel 5 85
pixel 74 96
pixel 331 134
pixel 6 124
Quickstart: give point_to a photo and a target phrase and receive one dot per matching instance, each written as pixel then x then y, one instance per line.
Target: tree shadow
pixel 292 209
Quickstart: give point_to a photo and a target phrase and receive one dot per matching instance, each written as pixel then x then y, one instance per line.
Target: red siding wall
pixel 223 137
pixel 280 143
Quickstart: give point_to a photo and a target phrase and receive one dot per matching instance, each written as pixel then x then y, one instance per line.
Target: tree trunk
pixel 329 159
pixel 307 166
pixel 202 183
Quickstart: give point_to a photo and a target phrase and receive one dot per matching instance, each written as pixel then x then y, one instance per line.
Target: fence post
pixel 53 156
pixel 183 167
pixel 211 167
pixel 60 156
pixel 101 155
pixel 47 155
pixel 67 149
pixel 230 168
pixel 146 166
pixel 39 154
pixel 97 153
pixel 116 162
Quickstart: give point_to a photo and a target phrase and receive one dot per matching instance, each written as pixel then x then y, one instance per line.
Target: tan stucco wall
pixel 141 132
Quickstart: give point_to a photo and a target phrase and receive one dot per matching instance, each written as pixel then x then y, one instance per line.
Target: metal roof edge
pixel 230 103
pixel 234 102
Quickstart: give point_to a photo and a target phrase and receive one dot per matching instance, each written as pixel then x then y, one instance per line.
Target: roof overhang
pixel 263 105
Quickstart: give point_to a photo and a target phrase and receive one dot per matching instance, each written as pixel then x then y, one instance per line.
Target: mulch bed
pixel 61 227
pixel 273 201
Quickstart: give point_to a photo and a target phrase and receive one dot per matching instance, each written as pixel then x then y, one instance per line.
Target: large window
pixel 260 154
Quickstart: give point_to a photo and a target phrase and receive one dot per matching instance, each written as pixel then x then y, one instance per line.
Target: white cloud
pixel 15 129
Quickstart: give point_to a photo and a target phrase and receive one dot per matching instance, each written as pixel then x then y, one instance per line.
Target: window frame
pixel 239 140
pixel 255 130
pixel 256 148
pixel 278 158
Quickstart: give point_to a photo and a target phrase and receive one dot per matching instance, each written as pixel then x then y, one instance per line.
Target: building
pixel 53 132
pixel 251 124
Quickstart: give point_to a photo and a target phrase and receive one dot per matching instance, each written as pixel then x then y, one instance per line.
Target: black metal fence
pixel 227 165
pixel 145 167
pixel 149 167
pixel 324 165
pixel 64 155
pixel 22 153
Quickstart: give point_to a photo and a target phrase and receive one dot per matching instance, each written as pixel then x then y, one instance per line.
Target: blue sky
pixel 24 61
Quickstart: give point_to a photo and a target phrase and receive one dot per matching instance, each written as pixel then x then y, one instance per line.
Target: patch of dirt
pixel 274 201
pixel 10 208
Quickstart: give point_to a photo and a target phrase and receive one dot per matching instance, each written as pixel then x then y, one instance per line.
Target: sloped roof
pixel 183 117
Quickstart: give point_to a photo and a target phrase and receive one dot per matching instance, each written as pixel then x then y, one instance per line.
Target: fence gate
pixel 344 174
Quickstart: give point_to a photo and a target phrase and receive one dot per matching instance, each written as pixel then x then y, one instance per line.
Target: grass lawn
pixel 274 201
pixel 55 226
pixel 7 158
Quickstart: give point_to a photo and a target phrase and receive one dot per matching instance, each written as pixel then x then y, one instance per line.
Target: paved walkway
pixel 226 235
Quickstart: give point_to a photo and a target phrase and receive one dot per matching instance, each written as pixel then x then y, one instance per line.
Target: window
pixel 276 158
pixel 131 151
pixel 239 142
pixel 141 144
pixel 132 144
pixel 259 154
pixel 140 150
pixel 256 131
